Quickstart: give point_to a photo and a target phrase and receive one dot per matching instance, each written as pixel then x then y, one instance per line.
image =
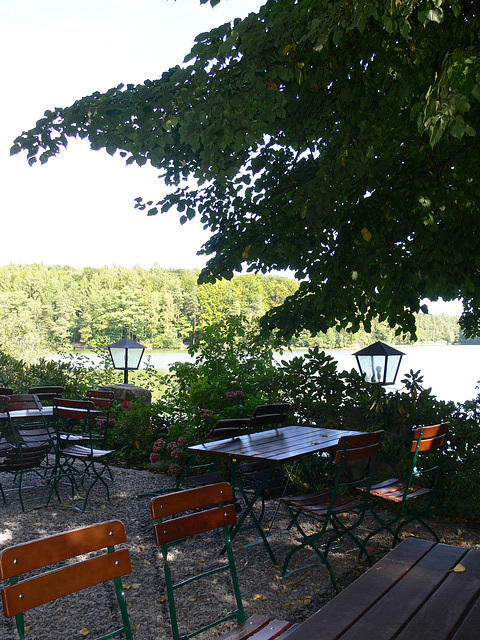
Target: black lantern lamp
pixel 126 354
pixel 379 363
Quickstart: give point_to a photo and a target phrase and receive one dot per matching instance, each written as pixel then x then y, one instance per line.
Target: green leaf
pixel 434 15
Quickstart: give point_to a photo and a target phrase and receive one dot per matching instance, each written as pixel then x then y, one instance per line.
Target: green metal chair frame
pixel 427 452
pixel 28 592
pixel 183 514
pixel 26 443
pixel 95 461
pixel 329 506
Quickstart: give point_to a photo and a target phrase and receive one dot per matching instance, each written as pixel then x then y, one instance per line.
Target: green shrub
pixel 135 425
pixel 233 372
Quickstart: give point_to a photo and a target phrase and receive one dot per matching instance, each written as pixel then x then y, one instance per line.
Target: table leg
pixel 238 484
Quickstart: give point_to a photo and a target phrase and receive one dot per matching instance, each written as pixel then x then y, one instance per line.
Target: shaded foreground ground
pixel 263 588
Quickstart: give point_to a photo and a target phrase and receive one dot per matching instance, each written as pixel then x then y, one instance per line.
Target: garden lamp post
pixel 379 363
pixel 126 354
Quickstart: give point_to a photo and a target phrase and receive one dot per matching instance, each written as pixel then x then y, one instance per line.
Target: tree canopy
pixel 338 139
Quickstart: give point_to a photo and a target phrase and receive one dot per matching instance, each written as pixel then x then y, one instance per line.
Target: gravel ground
pixel 263 589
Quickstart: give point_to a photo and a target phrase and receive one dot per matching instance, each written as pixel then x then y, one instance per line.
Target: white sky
pixel 78 209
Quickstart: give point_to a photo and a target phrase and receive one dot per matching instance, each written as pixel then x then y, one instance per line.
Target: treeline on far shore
pixel 57 307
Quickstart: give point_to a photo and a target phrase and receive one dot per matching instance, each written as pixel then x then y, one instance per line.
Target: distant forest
pixel 47 308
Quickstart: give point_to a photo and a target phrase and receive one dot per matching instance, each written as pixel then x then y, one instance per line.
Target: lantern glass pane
pixel 134 357
pixel 118 357
pixel 393 364
pixel 372 367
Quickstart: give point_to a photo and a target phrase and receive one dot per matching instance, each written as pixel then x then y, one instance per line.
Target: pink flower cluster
pixel 174 470
pixel 235 394
pixel 159 445
pixel 174 448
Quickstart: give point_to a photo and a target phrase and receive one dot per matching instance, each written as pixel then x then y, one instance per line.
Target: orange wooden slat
pixel 49 586
pixel 194 523
pixel 172 503
pixel 32 555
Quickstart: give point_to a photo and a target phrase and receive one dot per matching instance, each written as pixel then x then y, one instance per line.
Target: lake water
pixel 452 371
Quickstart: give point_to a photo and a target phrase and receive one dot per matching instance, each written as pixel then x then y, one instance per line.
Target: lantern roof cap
pixel 126 343
pixel 379 349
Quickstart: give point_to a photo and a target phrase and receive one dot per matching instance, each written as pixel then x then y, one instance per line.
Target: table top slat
pixel 453 598
pixel 470 625
pixel 387 617
pixel 337 616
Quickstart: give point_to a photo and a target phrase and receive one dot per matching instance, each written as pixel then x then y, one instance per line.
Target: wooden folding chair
pixel 183 514
pixel 95 461
pixel 25 592
pixel 266 416
pixel 412 497
pixel 27 440
pixel 338 511
pixel 269 415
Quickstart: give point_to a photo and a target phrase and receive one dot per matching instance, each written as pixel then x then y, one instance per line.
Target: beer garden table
pixel 275 447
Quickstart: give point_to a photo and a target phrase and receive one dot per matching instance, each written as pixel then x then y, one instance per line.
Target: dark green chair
pixel 413 497
pixel 340 510
pixel 25 444
pixel 201 510
pixel 82 459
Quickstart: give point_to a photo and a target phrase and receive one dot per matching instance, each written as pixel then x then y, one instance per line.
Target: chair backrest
pixel 47 394
pixel 23 594
pixel 102 399
pixel 6 391
pixel 363 448
pixel 75 409
pixel 427 449
pixel 227 428
pixel 75 417
pixel 273 415
pixel 23 401
pixel 429 438
pixel 213 509
pixel 17 459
